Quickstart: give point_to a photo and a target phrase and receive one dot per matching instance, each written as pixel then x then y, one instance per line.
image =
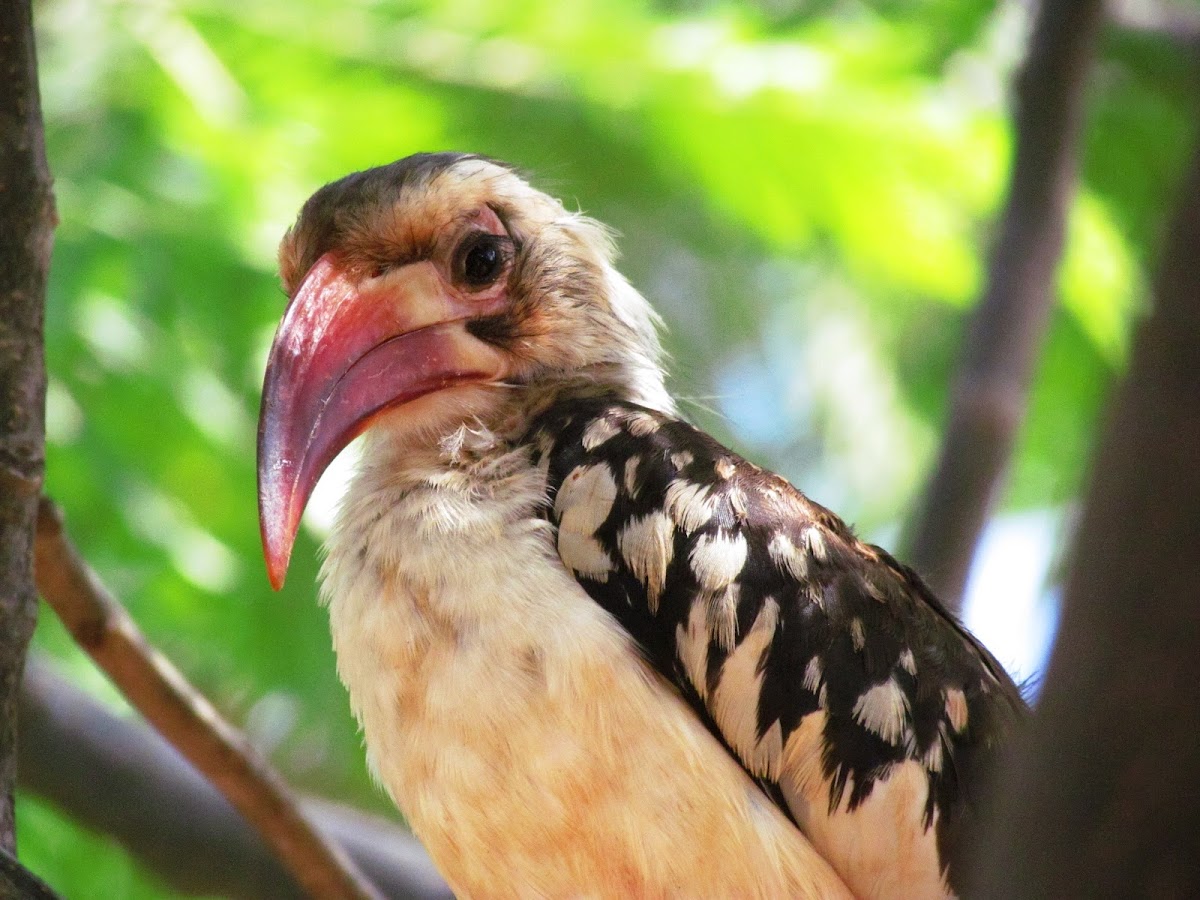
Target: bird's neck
pixel 639 379
pixel 470 441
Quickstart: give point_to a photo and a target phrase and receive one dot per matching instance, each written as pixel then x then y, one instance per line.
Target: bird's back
pixel 829 670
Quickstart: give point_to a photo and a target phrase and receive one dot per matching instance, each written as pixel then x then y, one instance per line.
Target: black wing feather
pixel 852 607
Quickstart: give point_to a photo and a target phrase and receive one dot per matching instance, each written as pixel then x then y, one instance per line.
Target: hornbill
pixel 592 651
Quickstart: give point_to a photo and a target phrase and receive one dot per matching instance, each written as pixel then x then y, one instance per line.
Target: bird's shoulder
pixel 768 613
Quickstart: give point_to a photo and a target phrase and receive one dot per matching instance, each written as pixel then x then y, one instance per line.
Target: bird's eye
pixel 482 260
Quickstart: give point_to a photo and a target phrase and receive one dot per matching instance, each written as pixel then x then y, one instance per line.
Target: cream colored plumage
pixel 593 652
pixel 532 748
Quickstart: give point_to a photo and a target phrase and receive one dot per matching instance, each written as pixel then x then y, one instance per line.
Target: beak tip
pixel 277 554
pixel 276 577
pixel 278 536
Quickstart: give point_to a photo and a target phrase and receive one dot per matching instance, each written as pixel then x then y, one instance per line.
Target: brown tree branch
pixel 105 630
pixel 1102 799
pixel 18 883
pixel 1004 336
pixel 118 777
pixel 27 221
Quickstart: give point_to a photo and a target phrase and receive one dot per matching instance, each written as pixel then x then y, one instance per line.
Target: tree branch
pixel 1102 799
pixel 27 223
pixel 103 628
pixel 120 778
pixel 1004 336
pixel 18 883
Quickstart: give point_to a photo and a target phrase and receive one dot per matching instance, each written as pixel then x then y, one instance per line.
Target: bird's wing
pixel 826 667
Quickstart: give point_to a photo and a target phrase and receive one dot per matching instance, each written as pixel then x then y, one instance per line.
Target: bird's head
pixel 436 291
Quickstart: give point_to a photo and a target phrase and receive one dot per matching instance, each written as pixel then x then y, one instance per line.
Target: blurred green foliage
pixel 805 189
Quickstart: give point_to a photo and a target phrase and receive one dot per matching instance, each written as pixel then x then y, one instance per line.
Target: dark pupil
pixel 482 264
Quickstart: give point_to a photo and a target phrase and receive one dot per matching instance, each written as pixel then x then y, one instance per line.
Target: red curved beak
pixel 344 353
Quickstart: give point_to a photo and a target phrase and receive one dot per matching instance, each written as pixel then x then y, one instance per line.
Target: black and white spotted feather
pixel 794 640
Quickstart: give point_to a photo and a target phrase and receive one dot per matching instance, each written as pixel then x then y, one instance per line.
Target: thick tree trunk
pixel 27 222
pixel 1102 800
pixel 1004 337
